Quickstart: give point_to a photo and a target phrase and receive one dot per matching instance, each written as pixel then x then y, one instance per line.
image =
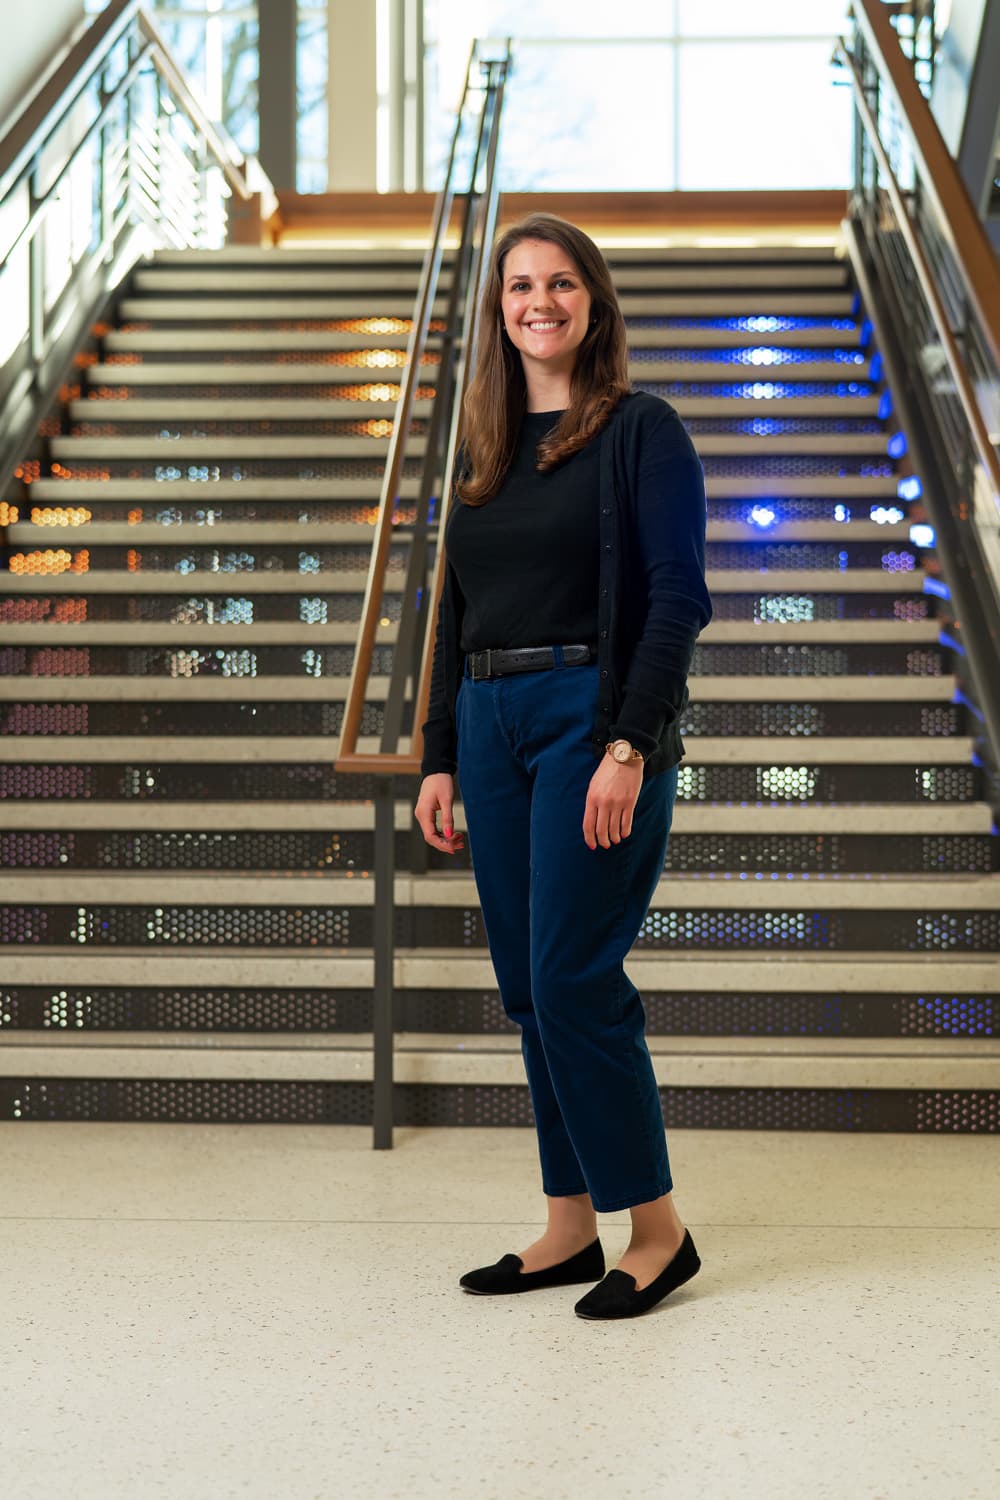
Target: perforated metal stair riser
pixel 186 883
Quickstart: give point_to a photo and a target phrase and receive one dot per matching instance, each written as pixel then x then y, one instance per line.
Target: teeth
pixel 535 326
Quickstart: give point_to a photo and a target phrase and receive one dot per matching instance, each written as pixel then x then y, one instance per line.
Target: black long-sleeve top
pixel 527 563
pixel 652 598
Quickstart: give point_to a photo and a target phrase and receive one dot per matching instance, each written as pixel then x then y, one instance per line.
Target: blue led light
pixel 897 445
pixel 875 368
pixel 841 513
pixel 949 640
pixel 885 406
pixel 866 333
pixel 886 515
pixel 936 586
pixel 910 488
pixel 762 515
pixel 922 534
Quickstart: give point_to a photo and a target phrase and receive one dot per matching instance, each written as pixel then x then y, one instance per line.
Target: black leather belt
pixel 484 664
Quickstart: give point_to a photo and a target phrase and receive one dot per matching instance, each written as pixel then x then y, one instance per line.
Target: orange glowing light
pixel 58 515
pixel 8 514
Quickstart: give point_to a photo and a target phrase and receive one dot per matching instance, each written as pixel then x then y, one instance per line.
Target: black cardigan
pixel 653 599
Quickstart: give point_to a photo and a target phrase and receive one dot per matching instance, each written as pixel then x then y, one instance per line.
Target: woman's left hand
pixel 611 797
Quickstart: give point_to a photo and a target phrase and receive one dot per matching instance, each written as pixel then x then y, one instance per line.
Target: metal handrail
pixel 479 220
pixel 985 273
pixel 42 116
pixel 348 757
pixel 941 180
pixel 135 206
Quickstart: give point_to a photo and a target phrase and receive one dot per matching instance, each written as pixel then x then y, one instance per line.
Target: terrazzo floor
pixel 233 1311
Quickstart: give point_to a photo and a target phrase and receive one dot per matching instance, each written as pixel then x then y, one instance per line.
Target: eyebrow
pixel 523 276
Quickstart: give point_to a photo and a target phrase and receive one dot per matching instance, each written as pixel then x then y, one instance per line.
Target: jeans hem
pixel 574 1192
pixel 631 1200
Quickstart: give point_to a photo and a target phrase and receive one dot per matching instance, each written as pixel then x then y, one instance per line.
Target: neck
pixel 547 390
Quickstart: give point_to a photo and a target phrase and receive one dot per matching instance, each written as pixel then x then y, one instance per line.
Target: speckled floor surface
pixel 219 1312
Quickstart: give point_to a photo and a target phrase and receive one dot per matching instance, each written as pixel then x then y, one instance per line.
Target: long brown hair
pixel 495 402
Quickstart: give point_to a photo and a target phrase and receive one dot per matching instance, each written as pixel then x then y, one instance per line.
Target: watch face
pixel 622 752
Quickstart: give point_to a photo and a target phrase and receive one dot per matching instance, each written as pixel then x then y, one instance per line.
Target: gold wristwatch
pixel 623 752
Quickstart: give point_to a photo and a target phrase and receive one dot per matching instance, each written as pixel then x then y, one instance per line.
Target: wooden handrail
pixel 348 757
pixel 940 179
pixel 928 284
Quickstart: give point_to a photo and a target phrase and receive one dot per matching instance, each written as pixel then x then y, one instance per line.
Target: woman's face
pixel 545 304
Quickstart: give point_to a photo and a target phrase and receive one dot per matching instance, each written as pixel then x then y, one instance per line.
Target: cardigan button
pixel 604 635
pixel 607 547
pixel 604 593
pixel 604 674
pixel 606 511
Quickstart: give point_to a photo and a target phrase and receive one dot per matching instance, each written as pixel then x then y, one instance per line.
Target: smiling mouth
pixel 545 327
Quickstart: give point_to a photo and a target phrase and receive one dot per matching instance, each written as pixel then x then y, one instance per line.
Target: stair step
pixel 177 374
pixel 283 341
pixel 70 450
pixel 98 533
pixel 378 279
pixel 312 749
pixel 375 252
pixel 447 969
pixel 297 491
pixel 298 633
pixel 335 281
pixel 678 1062
pixel 288 409
pixel 213 688
pixel 902 819
pixel 165 410
pixel 291 888
pixel 333 308
pixel 389 305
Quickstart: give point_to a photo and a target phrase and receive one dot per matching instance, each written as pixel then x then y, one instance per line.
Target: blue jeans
pixel 560 919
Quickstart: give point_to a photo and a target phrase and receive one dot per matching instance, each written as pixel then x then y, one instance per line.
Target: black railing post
pixel 383 945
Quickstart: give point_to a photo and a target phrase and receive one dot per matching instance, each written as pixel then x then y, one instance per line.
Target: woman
pixel 574 590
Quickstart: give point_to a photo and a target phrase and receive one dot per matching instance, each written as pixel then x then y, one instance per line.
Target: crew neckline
pixel 558 413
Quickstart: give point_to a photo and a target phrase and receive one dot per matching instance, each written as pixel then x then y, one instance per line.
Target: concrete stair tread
pixel 901 819
pixel 331 305
pixel 98 533
pixel 856 487
pixel 306 689
pixel 70 450
pixel 729 581
pixel 310 749
pixel 309 889
pixel 162 1059
pixel 170 633
pixel 320 409
pixel 840 372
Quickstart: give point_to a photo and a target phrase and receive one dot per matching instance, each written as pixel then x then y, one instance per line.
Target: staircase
pixel 187 904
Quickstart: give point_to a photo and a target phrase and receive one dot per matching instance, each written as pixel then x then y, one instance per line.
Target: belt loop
pixel 559 659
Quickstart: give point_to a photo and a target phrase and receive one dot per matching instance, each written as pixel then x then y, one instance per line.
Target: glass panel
pixel 761 115
pixel 313 117
pixel 733 18
pixel 567 130
pixel 556 18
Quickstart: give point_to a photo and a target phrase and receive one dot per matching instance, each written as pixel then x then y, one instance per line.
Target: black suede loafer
pixel 617 1297
pixel 507 1276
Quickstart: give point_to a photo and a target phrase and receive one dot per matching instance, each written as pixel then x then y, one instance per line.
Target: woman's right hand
pixel 437 793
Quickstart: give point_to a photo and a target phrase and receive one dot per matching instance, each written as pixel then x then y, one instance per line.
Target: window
pixel 691 94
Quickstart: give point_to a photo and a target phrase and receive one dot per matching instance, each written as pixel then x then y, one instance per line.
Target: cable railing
pixel 931 284
pixel 114 157
pixel 471 179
